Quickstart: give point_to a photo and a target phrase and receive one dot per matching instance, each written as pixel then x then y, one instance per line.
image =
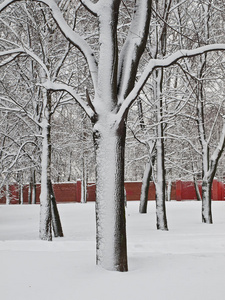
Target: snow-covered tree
pixel 205 77
pixel 35 103
pixel 113 69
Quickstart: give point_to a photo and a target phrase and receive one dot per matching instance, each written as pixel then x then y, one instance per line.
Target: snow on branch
pixel 163 63
pixel 9 59
pixel 23 50
pixel 133 47
pixel 90 6
pixel 49 85
pixel 217 153
pixel 78 41
pixel 18 155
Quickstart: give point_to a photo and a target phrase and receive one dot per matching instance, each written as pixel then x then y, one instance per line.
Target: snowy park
pixel 187 262
pixel 99 94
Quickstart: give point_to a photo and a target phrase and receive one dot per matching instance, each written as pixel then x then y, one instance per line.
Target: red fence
pixel 71 192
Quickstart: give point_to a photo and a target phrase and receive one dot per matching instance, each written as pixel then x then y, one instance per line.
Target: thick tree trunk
pixel 45 231
pixel 110 210
pixel 56 222
pixel 206 202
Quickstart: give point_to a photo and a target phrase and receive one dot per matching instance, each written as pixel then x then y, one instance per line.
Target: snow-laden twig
pixel 163 63
pixel 18 154
pixel 90 6
pixel 29 52
pixel 76 39
pixel 49 85
pixel 133 48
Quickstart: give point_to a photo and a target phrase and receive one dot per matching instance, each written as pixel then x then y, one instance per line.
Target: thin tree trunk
pixel 198 195
pixel 146 178
pixel 169 189
pixel 20 187
pixel 45 231
pixel 7 193
pixel 84 182
pixel 145 187
pixel 206 202
pixel 110 209
pixel 21 193
pixel 34 192
pixel 161 219
pixel 30 190
pixel 160 182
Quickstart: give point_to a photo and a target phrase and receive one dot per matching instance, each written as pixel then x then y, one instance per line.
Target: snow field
pixel 187 262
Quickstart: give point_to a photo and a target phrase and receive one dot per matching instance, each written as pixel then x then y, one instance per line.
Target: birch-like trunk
pixel 206 202
pixel 21 193
pixel 160 182
pixel 34 194
pixel 160 187
pixel 110 209
pixel 30 190
pixel 45 231
pixel 84 181
pixel 206 180
pixel 7 193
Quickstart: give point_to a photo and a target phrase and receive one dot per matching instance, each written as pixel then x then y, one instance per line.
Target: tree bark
pixel 84 181
pixel 29 192
pixel 34 194
pixel 56 222
pixel 7 193
pixel 45 231
pixel 145 188
pixel 160 181
pixel 110 209
pixel 198 195
pixel 206 202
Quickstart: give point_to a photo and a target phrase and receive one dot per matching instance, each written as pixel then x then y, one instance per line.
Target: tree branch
pixel 133 47
pixel 90 6
pixel 163 63
pixel 70 35
pixel 49 85
pixel 24 50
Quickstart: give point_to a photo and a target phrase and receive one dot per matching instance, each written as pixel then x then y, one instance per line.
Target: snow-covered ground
pixel 187 262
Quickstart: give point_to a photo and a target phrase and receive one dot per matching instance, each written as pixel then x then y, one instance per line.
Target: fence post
pixel 178 190
pixel 221 191
pixel 78 190
pixel 215 190
pixel 14 193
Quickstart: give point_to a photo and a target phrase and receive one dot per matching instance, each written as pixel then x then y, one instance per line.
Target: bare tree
pixel 113 71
